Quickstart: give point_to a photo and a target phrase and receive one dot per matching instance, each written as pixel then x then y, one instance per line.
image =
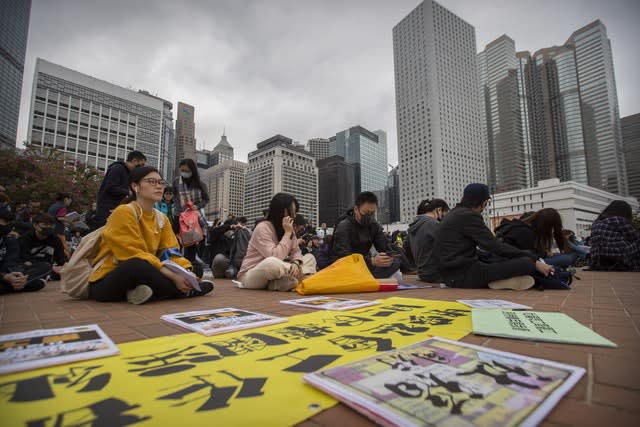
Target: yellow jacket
pixel 134 235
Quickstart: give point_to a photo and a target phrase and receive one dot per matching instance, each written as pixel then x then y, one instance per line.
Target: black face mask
pixel 5 229
pixel 366 219
pixel 48 231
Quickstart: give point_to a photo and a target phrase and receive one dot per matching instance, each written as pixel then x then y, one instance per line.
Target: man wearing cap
pixel 458 237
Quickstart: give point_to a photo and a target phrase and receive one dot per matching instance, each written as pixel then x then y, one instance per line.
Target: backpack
pixel 74 277
pixel 190 228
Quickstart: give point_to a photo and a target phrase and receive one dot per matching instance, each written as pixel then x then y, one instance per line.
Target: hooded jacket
pixel 421 239
pixel 351 237
pixel 114 187
pixel 519 234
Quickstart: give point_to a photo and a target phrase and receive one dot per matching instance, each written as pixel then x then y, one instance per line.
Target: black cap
pixel 476 192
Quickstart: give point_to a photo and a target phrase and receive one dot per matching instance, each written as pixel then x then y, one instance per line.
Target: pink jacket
pixel 264 243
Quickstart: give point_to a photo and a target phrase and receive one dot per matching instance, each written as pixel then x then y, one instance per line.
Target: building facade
pixel 226 183
pixel 185 133
pixel 366 148
pixel 338 186
pixel 319 147
pixel 578 204
pixel 97 122
pixel 441 147
pixel 631 142
pixel 278 166
pixel 14 29
pixel 222 152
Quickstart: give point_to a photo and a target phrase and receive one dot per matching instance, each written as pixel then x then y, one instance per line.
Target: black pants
pixel 36 272
pixel 128 275
pixel 190 254
pixel 480 274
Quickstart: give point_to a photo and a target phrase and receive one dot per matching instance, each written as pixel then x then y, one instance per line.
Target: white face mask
pixel 185 175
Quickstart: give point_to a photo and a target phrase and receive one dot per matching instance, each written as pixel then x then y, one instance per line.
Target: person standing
pixel 115 185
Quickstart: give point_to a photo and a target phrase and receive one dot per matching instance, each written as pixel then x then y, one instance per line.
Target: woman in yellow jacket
pixel 134 239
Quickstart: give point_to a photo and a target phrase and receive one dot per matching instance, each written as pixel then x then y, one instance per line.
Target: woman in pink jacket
pixel 273 260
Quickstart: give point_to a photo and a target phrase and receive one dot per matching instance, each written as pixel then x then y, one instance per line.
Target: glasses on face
pixel 154 181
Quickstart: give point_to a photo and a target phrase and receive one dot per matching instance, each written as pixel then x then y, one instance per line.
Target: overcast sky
pixel 301 68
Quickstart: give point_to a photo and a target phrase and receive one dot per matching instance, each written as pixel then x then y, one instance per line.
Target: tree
pixel 41 173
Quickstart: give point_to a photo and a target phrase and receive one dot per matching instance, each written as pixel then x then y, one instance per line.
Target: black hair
pixel 366 197
pixel 277 206
pixel 136 155
pixel 546 225
pixel 61 196
pixel 136 176
pixel 43 218
pixel 299 220
pixel 242 220
pixel 6 213
pixel 195 176
pixel 431 205
pixel 617 208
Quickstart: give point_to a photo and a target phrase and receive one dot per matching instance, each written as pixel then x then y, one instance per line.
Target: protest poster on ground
pixel 240 378
pixel 46 347
pixel 330 303
pixel 443 382
pixel 493 303
pixel 221 320
pixel 535 326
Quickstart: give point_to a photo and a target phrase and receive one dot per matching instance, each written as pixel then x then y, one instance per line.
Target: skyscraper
pixel 631 143
pixel 369 150
pixel 319 147
pixel 185 133
pixel 225 182
pixel 14 28
pixel 338 185
pixel 97 122
pixel 279 166
pixel 222 152
pixel 440 143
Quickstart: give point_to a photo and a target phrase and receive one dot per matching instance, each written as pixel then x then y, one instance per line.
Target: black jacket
pixel 461 231
pixel 48 250
pixel 114 187
pixel 9 255
pixel 421 240
pixel 518 234
pixel 350 237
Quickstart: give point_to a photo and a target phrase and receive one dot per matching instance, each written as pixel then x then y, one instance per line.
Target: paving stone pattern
pixel 607 302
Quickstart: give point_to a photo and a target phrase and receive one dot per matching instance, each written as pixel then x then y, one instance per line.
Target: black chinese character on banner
pixel 170 361
pixel 298 332
pixel 81 378
pixel 450 312
pixel 346 320
pixel 400 328
pixel 500 373
pixel 429 320
pixel 108 412
pixel 359 343
pixel 248 343
pixel 388 310
pixel 213 396
pixel 310 364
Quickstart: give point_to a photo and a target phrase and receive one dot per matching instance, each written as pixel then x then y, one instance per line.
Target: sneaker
pixel 518 283
pixel 139 295
pixel 283 284
pixel 206 286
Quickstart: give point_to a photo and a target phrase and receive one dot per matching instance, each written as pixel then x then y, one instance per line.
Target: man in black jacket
pixel 357 231
pixel 458 237
pixel 115 185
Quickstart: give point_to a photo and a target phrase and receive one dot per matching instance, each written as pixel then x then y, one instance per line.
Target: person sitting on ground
pixel 357 231
pixel 457 239
pixel 302 233
pixel 421 238
pixel 239 245
pixel 537 232
pixel 41 245
pixel 58 211
pixel 14 275
pixel 134 239
pixel 91 218
pixel 115 185
pixel 273 260
pixel 615 242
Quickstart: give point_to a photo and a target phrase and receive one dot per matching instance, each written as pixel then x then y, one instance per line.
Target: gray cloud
pixel 300 68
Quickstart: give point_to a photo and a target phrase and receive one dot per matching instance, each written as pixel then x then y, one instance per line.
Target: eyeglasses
pixel 154 181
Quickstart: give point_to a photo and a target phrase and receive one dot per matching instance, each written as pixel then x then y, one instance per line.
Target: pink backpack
pixel 190 229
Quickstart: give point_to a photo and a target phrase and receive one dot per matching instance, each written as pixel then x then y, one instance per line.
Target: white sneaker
pixel 139 295
pixel 518 283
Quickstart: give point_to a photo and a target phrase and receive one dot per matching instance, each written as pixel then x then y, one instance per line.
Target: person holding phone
pixel 357 231
pixel 273 260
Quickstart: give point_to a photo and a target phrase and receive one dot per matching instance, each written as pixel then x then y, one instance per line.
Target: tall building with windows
pixel 185 133
pixel 279 166
pixel 631 142
pixel 338 186
pixel 222 152
pixel 14 29
pixel 440 143
pixel 319 147
pixel 225 182
pixel 366 148
pixel 97 122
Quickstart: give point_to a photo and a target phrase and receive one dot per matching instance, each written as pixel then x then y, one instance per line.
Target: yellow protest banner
pixel 250 377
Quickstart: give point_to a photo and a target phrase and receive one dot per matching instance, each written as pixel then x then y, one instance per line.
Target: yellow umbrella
pixel 349 274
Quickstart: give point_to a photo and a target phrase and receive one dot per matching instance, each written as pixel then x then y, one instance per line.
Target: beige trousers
pixel 273 268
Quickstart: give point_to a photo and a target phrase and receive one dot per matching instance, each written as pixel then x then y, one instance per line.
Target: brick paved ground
pixel 607 302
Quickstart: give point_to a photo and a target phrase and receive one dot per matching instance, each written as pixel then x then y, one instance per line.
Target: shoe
pixel 283 284
pixel 206 286
pixel 518 283
pixel 139 295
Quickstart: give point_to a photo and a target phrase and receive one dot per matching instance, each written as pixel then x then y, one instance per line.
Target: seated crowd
pixel 452 247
